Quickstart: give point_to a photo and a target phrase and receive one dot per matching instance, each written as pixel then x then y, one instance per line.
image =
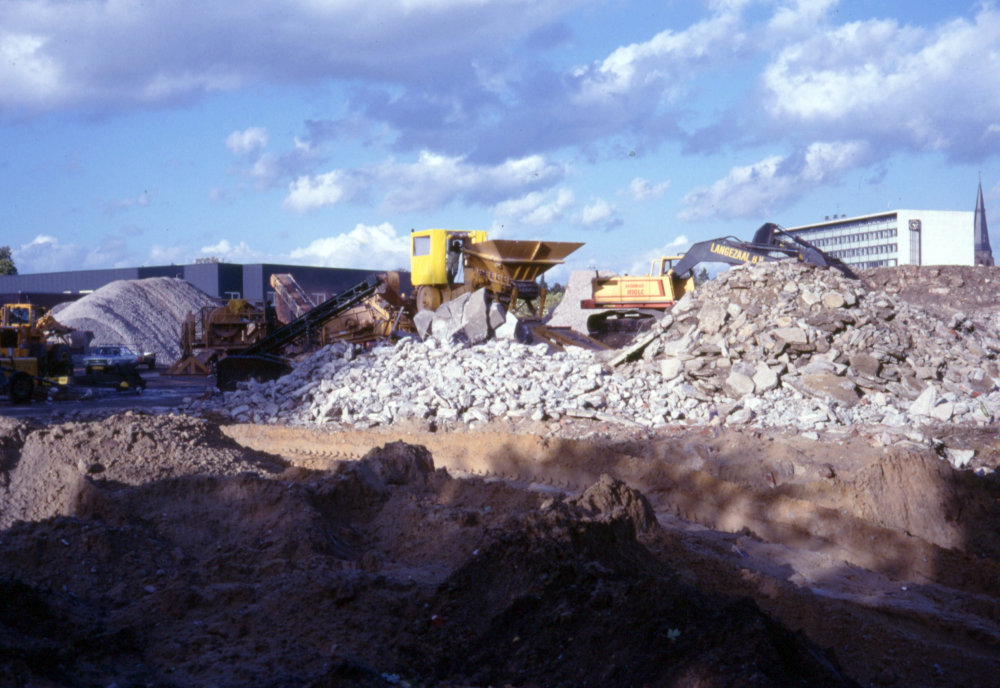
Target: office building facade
pixel 905 237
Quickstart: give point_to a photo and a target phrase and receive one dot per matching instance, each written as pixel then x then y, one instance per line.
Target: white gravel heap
pixel 774 345
pixel 144 315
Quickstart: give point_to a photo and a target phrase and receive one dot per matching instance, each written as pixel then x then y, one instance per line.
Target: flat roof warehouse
pixel 220 280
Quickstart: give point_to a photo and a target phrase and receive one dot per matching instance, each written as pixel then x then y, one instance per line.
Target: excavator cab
pixel 662 266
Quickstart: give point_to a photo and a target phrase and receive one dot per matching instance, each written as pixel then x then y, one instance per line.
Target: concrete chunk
pixel 925 402
pixel 833 299
pixel 739 385
pixel 792 335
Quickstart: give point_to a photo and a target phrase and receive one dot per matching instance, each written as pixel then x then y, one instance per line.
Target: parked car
pixel 148 359
pixel 110 359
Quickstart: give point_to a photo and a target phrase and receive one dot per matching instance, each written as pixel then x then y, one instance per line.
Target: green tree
pixel 701 277
pixel 7 266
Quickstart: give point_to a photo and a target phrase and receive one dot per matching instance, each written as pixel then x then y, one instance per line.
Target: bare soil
pixel 543 555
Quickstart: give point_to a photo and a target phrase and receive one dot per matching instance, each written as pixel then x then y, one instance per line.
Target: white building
pixel 897 237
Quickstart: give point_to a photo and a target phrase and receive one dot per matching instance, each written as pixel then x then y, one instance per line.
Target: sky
pixel 321 132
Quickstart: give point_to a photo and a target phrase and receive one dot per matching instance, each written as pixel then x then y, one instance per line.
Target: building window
pixel 319 298
pixel 233 294
pixel 270 298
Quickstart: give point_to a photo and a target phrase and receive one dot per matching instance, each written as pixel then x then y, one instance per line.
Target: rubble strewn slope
pixel 780 344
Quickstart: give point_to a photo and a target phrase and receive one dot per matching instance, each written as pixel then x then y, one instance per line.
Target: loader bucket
pixel 519 260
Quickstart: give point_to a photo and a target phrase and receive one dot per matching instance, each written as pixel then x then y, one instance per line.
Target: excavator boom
pixel 765 247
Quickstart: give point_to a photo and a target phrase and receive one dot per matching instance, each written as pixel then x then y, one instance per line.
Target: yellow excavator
pixel 633 303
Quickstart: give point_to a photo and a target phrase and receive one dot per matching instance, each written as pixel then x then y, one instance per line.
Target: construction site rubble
pixel 777 344
pixel 470 318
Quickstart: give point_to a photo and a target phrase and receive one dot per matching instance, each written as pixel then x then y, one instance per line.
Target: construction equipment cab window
pixel 433 260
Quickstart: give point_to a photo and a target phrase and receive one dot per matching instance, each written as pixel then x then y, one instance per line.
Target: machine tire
pixel 428 298
pixel 60 360
pixel 151 365
pixel 21 388
pixel 90 371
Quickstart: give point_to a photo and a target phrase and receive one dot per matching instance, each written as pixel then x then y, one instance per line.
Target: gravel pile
pixel 144 315
pixel 773 345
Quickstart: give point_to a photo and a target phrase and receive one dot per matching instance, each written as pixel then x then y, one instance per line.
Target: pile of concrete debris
pixel 776 344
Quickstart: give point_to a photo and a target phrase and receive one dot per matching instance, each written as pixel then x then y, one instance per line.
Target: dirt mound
pixel 50 466
pixel 922 495
pixel 381 571
pixel 46 635
pixel 12 436
pixel 608 495
pixel 559 600
pixel 144 315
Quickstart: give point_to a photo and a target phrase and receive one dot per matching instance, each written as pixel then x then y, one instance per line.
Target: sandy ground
pixel 171 551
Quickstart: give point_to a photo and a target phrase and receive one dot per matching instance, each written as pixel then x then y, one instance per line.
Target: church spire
pixel 981 233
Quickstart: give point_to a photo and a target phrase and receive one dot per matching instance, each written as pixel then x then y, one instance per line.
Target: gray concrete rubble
pixel 772 345
pixel 471 318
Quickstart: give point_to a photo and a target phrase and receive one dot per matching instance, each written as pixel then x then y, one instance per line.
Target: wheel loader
pixel 27 354
pixel 634 303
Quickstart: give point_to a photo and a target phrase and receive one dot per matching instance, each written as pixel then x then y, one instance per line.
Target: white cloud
pixel 27 74
pixel 436 180
pixel 758 190
pixel 534 209
pixel 800 17
pixel 310 193
pixel 666 59
pixel 641 190
pixel 599 212
pixel 365 246
pixel 247 141
pixel 640 264
pixel 431 182
pixel 140 201
pixel 49 254
pixel 168 255
pixel 895 86
pixel 56 54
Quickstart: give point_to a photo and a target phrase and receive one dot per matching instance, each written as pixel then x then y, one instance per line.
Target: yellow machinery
pixel 26 353
pixel 659 288
pixel 290 300
pixel 214 332
pixel 26 331
pixel 447 263
pixel 376 317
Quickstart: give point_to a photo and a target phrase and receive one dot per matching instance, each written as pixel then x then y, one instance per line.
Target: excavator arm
pixel 770 243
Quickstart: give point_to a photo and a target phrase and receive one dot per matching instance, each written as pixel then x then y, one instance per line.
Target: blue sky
pixel 320 131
